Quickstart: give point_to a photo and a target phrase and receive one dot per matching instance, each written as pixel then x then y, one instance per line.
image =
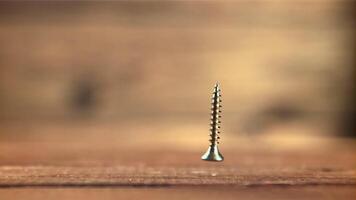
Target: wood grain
pixel 58 164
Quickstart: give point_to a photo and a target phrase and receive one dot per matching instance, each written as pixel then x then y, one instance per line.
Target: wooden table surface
pixel 94 163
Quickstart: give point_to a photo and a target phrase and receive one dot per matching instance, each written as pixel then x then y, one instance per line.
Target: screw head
pixel 212 154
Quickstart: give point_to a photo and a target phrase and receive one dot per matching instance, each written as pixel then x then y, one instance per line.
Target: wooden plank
pixel 17 176
pixel 42 161
pixel 172 193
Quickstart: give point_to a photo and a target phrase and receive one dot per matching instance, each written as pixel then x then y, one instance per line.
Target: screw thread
pixel 215 116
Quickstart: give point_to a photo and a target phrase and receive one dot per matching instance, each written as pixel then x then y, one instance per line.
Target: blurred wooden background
pixel 277 61
pixel 115 95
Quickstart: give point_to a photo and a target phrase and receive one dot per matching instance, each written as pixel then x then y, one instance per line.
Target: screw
pixel 213 154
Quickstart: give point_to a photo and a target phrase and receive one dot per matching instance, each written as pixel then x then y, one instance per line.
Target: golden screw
pixel 213 154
